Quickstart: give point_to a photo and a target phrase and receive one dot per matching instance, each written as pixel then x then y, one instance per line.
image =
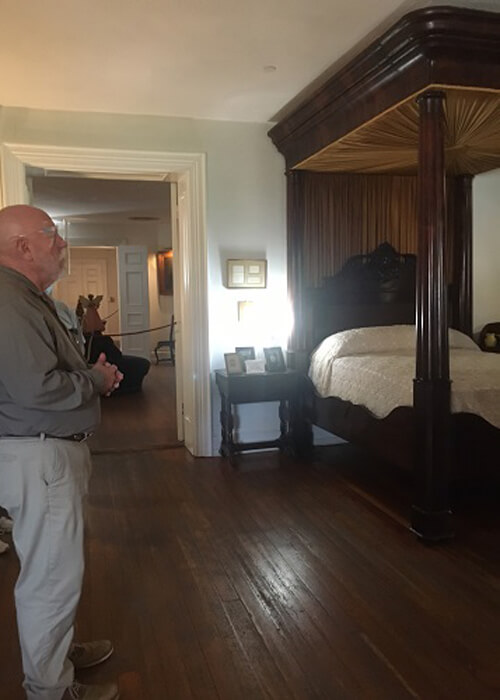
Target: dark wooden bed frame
pixel 378 289
pixel 425 54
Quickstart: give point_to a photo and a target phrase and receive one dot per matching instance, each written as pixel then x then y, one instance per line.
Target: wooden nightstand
pixel 257 388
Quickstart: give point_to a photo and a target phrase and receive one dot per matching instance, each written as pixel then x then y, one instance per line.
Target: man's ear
pixel 23 248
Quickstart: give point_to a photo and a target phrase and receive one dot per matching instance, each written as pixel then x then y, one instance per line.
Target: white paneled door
pixel 134 299
pixel 87 276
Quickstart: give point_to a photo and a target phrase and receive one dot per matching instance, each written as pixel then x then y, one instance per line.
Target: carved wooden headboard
pixel 376 289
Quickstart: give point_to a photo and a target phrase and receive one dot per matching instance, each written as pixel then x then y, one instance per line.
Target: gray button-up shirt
pixel 46 386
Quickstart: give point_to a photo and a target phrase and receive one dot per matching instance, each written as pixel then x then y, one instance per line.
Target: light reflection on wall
pixel 264 323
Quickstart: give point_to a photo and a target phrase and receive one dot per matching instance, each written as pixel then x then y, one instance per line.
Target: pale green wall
pixel 486 252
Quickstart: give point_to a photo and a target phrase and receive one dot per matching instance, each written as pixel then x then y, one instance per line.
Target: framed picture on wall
pixel 246 273
pixel 164 260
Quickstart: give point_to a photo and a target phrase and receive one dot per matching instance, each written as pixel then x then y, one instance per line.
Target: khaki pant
pixel 43 482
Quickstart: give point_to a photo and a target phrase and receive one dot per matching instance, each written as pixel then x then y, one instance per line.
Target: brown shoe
pixel 88 654
pixel 77 691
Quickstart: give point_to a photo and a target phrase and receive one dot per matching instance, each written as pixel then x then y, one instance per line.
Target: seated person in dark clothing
pixel 133 368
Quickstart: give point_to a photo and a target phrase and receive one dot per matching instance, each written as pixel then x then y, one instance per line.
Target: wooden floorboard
pixel 278 580
pixel 142 420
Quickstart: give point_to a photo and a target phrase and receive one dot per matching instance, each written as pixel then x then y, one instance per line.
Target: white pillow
pixel 383 339
pixel 460 341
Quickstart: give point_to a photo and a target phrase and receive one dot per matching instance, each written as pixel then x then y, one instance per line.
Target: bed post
pixel 295 238
pixel 431 515
pixel 462 253
pixel 297 355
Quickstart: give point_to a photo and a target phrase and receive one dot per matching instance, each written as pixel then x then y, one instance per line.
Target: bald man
pixel 49 405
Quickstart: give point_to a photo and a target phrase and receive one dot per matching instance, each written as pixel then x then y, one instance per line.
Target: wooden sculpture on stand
pixel 134 369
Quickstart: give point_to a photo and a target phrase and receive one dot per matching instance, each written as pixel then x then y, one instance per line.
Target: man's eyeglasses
pixel 50 231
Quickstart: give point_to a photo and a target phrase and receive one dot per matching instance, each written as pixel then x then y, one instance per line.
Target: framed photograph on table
pixel 234 363
pixel 275 361
pixel 255 366
pixel 246 354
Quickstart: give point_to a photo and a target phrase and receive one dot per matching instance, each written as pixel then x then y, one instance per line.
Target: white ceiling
pixel 208 59
pixel 96 201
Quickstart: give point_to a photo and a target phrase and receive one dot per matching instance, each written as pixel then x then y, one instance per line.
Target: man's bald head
pixel 30 244
pixel 21 216
pixel 20 220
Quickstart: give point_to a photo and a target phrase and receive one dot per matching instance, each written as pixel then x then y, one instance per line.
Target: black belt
pixel 76 437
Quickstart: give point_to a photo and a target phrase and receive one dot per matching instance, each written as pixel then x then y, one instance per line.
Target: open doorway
pixel 114 230
pixel 188 171
pixel 92 270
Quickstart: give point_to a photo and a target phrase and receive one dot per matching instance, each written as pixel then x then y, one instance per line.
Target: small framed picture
pixel 275 362
pixel 246 273
pixel 234 363
pixel 255 366
pixel 246 354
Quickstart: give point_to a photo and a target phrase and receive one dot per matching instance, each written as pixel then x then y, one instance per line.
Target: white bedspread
pixel 376 370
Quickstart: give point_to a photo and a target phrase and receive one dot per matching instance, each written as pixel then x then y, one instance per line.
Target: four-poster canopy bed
pixel 423 103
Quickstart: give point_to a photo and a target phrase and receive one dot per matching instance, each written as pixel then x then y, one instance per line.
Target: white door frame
pixel 178 330
pixel 192 253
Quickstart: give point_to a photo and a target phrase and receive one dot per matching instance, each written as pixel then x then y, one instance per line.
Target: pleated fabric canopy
pixel 388 143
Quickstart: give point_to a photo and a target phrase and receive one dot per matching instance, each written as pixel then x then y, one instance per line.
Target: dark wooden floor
pixel 146 419
pixel 278 580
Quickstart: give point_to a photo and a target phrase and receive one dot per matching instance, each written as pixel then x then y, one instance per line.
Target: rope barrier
pixel 146 330
pixel 110 315
pixel 120 335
